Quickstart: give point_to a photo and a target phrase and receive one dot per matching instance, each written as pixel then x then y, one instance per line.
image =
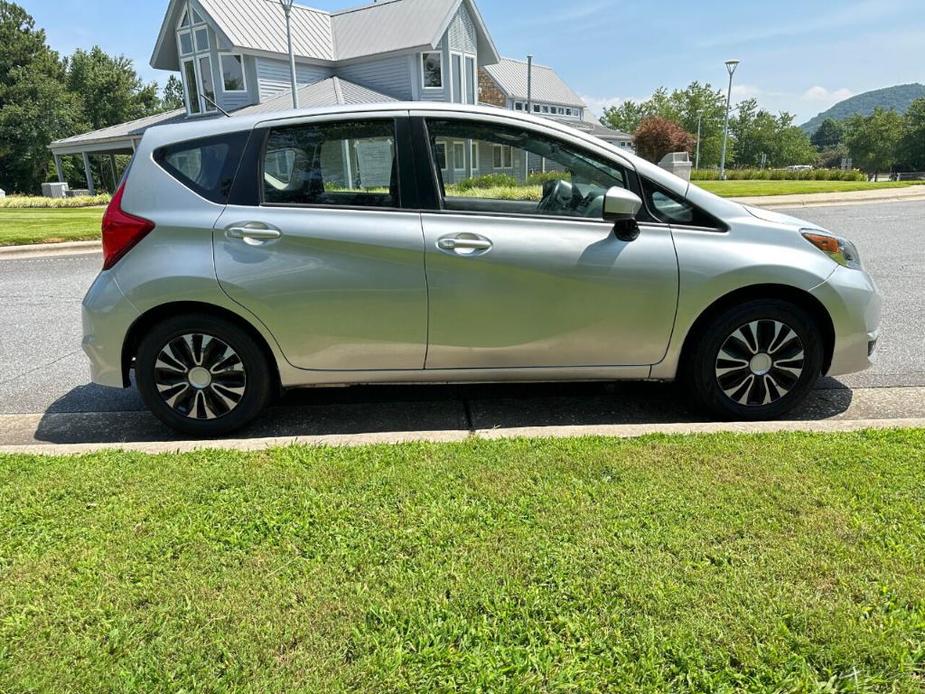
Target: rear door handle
pixel 253 234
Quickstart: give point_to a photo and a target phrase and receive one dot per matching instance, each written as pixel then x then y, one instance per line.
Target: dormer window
pixel 194 46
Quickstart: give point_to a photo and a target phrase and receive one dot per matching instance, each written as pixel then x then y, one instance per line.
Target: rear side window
pixel 349 164
pixel 206 166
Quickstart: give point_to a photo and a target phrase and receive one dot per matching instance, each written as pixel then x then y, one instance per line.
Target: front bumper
pixel 107 316
pixel 853 302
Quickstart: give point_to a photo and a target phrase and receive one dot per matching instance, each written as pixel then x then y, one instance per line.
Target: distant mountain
pixel 897 98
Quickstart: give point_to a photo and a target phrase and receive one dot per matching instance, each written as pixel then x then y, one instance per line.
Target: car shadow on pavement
pixel 80 416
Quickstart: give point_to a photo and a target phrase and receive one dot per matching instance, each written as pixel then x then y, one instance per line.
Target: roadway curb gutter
pixel 46 250
pixel 352 440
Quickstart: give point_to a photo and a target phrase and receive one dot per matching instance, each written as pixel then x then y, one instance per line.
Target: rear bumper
pixel 107 316
pixel 854 304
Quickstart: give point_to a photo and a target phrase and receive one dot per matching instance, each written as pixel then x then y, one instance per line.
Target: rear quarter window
pixel 206 166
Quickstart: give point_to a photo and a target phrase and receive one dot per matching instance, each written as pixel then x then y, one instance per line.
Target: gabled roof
pixel 511 76
pixel 333 91
pixel 318 36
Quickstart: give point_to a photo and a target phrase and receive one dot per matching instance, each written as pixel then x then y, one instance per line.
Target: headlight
pixel 842 251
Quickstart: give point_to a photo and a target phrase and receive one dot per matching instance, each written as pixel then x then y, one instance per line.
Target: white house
pixel 232 56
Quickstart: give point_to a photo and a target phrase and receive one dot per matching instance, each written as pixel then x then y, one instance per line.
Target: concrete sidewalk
pixel 858 197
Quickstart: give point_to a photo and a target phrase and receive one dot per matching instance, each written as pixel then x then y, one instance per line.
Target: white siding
pixel 273 76
pixel 462 35
pixel 387 75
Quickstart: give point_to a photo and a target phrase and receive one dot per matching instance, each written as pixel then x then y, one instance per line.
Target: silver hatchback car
pixel 399 243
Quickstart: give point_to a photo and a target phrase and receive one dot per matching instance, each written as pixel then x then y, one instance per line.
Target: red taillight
pixel 121 231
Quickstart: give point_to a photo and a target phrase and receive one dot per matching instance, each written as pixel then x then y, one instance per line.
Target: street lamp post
pixel 699 128
pixel 731 66
pixel 287 9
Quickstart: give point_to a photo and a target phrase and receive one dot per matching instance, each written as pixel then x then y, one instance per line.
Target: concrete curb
pixel 353 440
pixel 47 250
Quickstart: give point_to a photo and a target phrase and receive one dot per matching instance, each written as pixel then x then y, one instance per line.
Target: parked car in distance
pixel 359 245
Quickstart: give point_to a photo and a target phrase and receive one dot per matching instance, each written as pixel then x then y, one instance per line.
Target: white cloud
pixel 822 95
pixel 746 91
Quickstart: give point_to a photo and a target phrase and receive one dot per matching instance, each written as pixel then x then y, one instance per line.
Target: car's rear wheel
pixel 756 361
pixel 202 375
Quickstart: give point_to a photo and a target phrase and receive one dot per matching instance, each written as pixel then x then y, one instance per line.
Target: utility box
pixel 678 163
pixel 54 190
pixel 2 193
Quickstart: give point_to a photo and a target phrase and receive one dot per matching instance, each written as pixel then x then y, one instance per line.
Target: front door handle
pixel 253 234
pixel 465 244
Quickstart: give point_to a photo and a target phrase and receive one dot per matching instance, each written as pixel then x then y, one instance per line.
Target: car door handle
pixel 248 233
pixel 464 244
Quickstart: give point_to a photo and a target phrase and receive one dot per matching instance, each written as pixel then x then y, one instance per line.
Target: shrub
pixel 779 175
pixel 495 180
pixel 541 177
pixel 22 202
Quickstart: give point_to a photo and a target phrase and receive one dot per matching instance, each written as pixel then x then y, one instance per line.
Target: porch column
pixel 58 169
pixel 89 173
pixel 115 179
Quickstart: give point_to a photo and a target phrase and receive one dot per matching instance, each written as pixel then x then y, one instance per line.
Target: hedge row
pixel 21 202
pixel 779 175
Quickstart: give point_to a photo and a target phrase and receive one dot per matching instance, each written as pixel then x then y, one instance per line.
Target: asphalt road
pixel 44 372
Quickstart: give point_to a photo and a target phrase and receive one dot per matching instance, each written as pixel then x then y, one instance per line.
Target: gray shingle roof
pixel 333 91
pixel 260 25
pixel 330 92
pixel 383 27
pixel 511 77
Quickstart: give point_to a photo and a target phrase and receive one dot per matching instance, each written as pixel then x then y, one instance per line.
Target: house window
pixel 518 106
pixel 459 156
pixel 503 157
pixel 194 45
pixel 536 108
pixel 192 89
pixel 568 112
pixel 456 66
pixel 440 150
pixel 233 79
pixel 471 86
pixel 475 156
pixel 186 43
pixel 432 66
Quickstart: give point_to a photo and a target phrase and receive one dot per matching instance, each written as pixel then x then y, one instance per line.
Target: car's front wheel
pixel 756 361
pixel 202 375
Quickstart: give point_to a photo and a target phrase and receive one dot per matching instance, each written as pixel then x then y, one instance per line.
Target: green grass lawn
pixel 26 226
pixel 717 563
pixel 742 189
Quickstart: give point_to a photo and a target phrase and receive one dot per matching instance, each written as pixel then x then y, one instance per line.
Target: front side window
pixel 432 65
pixel 233 73
pixel 530 173
pixel 332 164
pixel 669 208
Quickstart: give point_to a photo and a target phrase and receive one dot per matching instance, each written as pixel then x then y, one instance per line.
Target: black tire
pixel 708 378
pixel 257 382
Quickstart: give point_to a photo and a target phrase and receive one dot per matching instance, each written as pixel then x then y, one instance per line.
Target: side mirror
pixel 621 207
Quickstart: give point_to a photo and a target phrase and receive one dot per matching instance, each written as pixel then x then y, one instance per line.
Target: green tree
pixel 759 135
pixel 109 88
pixel 682 106
pixel 911 149
pixel 830 134
pixel 35 106
pixel 173 94
pixel 873 140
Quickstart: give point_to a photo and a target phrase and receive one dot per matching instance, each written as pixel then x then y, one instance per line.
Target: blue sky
pixel 797 55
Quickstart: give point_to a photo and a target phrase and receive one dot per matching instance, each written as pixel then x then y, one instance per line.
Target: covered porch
pixel 106 145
